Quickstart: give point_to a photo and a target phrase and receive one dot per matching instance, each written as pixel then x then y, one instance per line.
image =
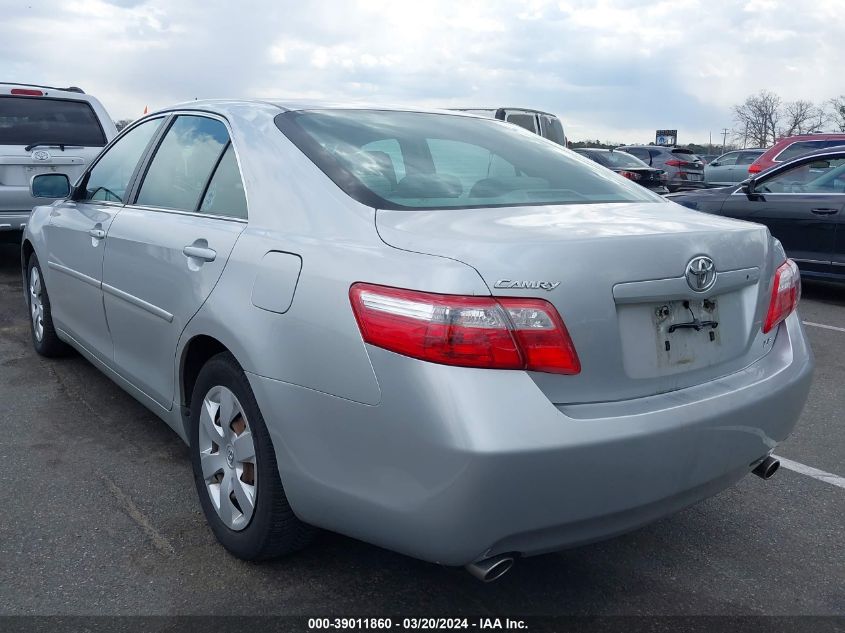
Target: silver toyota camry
pixel 431 331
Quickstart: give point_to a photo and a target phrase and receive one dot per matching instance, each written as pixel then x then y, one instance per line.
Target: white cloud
pixel 613 69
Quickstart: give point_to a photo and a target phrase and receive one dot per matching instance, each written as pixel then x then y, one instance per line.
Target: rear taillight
pixel 754 168
pixel 673 162
pixel 630 175
pixel 28 92
pixel 487 332
pixel 786 292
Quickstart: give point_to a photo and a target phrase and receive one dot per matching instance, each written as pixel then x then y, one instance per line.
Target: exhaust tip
pixel 492 568
pixel 767 468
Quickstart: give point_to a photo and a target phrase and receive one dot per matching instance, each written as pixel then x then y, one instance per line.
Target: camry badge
pixel 534 285
pixel 701 273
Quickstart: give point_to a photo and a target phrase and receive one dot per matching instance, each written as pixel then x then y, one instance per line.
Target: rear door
pixel 41 135
pixel 75 238
pixel 167 249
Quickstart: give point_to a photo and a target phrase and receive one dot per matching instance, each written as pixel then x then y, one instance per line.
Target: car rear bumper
pixel 457 464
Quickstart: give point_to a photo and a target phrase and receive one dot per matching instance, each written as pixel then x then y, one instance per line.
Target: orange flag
pixel 145 109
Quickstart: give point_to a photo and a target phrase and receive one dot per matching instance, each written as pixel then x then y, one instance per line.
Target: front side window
pixel 817 176
pixel 27 120
pixel 182 165
pixel 109 179
pixel 727 159
pixel 448 161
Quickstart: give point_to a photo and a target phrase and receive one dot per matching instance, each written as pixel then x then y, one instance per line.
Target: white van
pixel 543 123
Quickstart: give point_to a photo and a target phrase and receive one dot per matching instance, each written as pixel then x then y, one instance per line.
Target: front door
pixel 167 250
pixel 801 207
pixel 76 235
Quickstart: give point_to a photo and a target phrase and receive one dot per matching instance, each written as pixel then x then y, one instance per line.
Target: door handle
pixel 200 252
pixel 97 233
pixel 824 211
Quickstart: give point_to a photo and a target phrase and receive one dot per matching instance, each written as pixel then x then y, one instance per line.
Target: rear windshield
pixel 27 120
pixel 686 154
pixel 618 160
pixel 413 160
pixel 802 147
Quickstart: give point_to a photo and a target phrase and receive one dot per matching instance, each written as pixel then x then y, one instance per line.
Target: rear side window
pixel 225 193
pixel 746 158
pixel 27 120
pixel 109 179
pixel 802 147
pixel 180 170
pixel 552 129
pixel 527 121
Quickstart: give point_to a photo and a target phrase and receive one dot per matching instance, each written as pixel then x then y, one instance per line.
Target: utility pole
pixel 724 138
pixel 710 144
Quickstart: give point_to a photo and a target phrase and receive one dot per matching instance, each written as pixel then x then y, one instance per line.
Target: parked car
pixel 422 329
pixel 685 169
pixel 629 167
pixel 802 201
pixel 545 124
pixel 731 167
pixel 791 147
pixel 44 130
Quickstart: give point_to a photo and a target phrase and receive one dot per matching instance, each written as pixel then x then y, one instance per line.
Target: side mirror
pixel 748 187
pixel 714 163
pixel 55 186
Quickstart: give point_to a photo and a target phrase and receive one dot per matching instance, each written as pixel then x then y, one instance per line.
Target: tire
pixel 44 338
pixel 269 528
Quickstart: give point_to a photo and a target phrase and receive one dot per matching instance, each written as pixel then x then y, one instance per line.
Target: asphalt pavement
pixel 100 516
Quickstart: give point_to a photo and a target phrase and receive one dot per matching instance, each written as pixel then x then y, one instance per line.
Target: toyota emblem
pixel 41 155
pixel 701 273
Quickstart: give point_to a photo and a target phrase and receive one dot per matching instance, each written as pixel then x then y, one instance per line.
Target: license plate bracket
pixel 686 329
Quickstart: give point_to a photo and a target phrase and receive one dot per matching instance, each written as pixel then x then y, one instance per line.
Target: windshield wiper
pixel 61 146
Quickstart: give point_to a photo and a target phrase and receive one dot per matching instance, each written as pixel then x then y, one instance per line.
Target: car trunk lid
pixel 622 286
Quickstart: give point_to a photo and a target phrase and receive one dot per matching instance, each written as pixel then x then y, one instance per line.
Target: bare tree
pixel 801 117
pixel 758 118
pixel 122 124
pixel 836 112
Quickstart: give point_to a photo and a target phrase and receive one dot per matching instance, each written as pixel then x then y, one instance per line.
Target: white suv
pixel 44 130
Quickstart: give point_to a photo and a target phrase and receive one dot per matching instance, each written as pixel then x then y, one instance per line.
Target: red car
pixel 791 146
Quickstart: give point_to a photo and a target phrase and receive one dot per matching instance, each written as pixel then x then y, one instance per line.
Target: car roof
pixel 224 106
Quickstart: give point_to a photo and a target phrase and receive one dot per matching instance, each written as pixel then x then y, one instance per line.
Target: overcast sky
pixel 611 69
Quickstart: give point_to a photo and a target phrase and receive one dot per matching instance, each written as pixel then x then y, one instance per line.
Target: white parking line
pixel 825 327
pixel 815 473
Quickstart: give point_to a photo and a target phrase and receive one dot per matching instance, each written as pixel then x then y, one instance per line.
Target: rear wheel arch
pixel 196 353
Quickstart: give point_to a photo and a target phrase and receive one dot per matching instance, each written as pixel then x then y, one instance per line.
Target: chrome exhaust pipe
pixel 767 467
pixel 492 568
